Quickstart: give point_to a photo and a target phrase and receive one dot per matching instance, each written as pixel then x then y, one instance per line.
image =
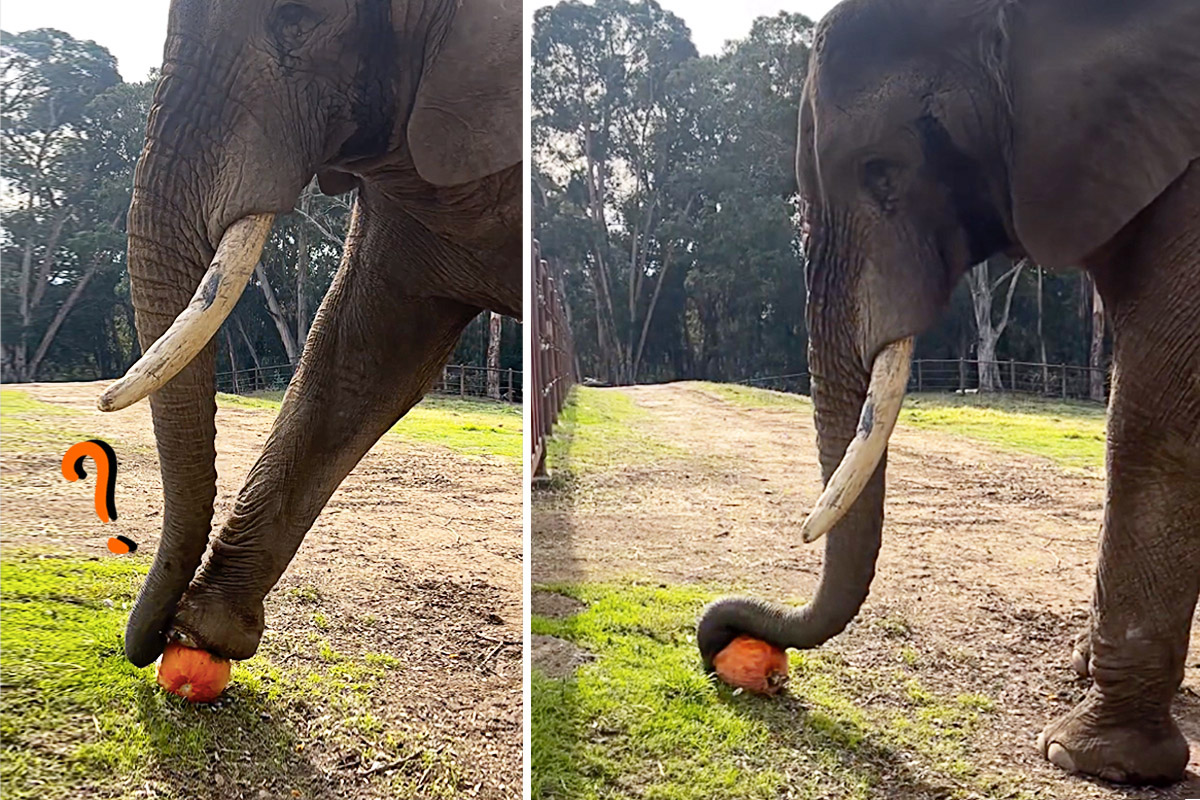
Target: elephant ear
pixel 1106 115
pixel 467 119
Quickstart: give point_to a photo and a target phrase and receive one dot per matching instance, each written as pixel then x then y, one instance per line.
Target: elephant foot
pixel 224 624
pixel 1138 750
pixel 1081 654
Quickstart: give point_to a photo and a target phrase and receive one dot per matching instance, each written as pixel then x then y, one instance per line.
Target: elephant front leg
pixel 373 352
pixel 1147 581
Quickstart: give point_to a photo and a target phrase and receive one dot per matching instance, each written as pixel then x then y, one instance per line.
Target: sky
pixel 134 30
pixel 713 22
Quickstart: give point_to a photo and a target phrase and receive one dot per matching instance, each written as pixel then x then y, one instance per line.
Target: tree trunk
pixel 493 356
pixel 233 369
pixel 277 315
pixel 59 317
pixel 982 293
pixel 20 352
pixel 1041 336
pixel 302 270
pixel 1096 359
pixel 249 343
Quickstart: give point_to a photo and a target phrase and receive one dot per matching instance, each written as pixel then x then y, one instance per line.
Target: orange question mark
pixel 105 459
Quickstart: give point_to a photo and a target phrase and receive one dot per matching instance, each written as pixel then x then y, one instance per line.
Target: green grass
pixel 600 430
pixel 79 720
pixel 753 397
pixel 1070 434
pixel 642 720
pixel 471 427
pixel 32 426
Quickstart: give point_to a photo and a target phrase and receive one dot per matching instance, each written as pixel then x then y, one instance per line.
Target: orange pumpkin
pixel 194 674
pixel 754 665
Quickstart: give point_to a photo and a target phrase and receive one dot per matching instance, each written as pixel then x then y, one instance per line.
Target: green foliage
pixel 666 194
pixel 70 137
pixel 643 720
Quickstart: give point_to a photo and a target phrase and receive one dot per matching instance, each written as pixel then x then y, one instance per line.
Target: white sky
pixel 133 30
pixel 714 22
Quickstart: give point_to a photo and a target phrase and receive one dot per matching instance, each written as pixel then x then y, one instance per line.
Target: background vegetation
pixel 72 134
pixel 664 194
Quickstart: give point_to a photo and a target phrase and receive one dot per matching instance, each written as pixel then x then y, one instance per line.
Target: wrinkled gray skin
pixel 934 133
pixel 416 103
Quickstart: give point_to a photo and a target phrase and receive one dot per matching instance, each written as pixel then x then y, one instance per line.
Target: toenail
pixel 1059 757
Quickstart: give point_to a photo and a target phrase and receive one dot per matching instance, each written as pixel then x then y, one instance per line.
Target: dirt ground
pixel 988 557
pixel 426 542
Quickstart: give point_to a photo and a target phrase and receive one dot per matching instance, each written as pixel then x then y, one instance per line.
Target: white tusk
pixel 218 292
pixel 889 379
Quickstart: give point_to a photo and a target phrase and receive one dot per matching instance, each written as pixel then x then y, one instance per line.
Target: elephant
pixel 417 104
pixel 933 134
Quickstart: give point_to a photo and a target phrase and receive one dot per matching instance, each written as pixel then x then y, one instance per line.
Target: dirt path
pixel 417 555
pixel 988 556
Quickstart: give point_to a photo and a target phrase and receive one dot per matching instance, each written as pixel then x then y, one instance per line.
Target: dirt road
pixel 987 561
pixel 417 556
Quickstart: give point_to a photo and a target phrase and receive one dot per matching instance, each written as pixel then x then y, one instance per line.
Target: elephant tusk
pixel 218 292
pixel 885 394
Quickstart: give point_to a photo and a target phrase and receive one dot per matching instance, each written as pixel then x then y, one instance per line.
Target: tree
pixel 669 206
pixel 493 356
pixel 602 111
pixel 1096 372
pixel 989 330
pixel 67 135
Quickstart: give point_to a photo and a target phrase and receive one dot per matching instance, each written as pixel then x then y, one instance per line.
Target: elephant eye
pixel 879 177
pixel 291 23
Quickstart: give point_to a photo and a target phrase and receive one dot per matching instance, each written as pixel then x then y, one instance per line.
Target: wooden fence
pixel 961 375
pixel 460 380
pixel 551 371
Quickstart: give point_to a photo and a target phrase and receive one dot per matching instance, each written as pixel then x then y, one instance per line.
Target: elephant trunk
pixel 166 263
pixel 178 307
pixel 853 461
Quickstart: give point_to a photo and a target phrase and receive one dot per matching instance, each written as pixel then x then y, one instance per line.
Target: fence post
pixel 1064 381
pixel 920 382
pixel 462 381
pixel 509 393
pixel 1012 375
pixel 962 374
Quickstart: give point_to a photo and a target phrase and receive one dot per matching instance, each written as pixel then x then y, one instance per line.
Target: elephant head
pixel 256 97
pixel 932 135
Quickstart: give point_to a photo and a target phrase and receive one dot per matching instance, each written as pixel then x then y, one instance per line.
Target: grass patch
pixel 642 720
pixel 471 427
pixel 601 430
pixel 28 425
pixel 79 720
pixel 753 397
pixel 1068 433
